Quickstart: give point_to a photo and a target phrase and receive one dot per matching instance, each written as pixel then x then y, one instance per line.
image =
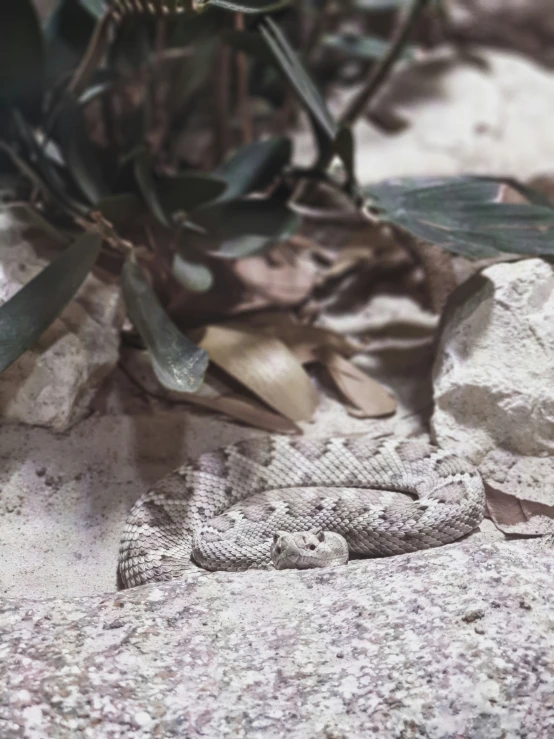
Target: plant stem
pixel 243 110
pixel 380 73
pixel 222 85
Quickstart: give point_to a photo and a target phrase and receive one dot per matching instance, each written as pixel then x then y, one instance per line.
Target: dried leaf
pixel 265 366
pixel 246 410
pixel 514 515
pixel 305 342
pixel 214 395
pixel 357 387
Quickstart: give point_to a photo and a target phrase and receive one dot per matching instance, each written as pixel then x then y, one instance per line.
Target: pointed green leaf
pixel 149 188
pixel 188 191
pixel 192 276
pixel 178 364
pixel 254 166
pixel 362 47
pixel 67 33
pixel 292 68
pixel 21 57
pixel 249 6
pixel 96 8
pixel 380 5
pixel 47 173
pixel 30 312
pixel 122 209
pixel 247 227
pixel 464 215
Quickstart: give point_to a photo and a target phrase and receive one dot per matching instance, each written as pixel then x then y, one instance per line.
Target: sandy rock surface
pixel 455 642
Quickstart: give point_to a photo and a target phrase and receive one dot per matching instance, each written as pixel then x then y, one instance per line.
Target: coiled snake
pixel 227 509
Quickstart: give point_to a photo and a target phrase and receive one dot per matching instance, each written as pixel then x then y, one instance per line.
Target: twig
pixel 360 101
pixel 221 119
pixel 381 71
pixel 93 54
pixel 242 88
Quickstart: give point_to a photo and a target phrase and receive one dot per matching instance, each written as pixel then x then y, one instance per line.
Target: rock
pixel 52 384
pixel 454 642
pixel 494 376
pixel 463 119
pixel 523 25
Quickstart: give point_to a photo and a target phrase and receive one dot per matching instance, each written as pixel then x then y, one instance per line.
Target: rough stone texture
pixel 494 376
pixel 455 642
pixel 52 384
pixel 463 118
pixel 64 498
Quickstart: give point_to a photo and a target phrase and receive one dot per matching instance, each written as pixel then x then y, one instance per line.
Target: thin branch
pixel 222 83
pixel 243 103
pixel 380 73
pixel 93 54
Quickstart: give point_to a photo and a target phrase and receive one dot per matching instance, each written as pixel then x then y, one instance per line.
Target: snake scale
pixel 227 510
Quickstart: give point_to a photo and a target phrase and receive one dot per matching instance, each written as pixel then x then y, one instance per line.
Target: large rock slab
pixel 494 377
pixel 454 642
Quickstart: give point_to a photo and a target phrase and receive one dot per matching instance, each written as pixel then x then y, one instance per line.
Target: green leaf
pixel 148 187
pixel 463 215
pixel 122 209
pixel 178 364
pixel 249 6
pixel 67 33
pixel 41 170
pixel 21 58
pixel 247 227
pixel 96 8
pixel 192 275
pixel 30 312
pixel 188 191
pixel 363 47
pixel 81 157
pixel 254 166
pixel 294 71
pixel 380 5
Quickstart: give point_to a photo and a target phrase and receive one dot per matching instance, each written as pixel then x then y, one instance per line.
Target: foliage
pixel 108 156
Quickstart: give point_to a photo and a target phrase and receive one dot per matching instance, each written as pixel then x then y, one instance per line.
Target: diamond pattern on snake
pixel 299 503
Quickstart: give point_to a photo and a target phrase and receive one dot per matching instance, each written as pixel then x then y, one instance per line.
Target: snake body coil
pixel 221 512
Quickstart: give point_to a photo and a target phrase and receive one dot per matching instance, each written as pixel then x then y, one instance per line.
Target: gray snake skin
pixel 223 510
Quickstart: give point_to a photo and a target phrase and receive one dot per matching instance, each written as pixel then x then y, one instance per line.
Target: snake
pixel 295 503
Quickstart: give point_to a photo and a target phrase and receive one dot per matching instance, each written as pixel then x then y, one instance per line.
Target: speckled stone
pixel 455 643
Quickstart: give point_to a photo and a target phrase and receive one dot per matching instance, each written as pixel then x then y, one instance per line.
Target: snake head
pixel 305 550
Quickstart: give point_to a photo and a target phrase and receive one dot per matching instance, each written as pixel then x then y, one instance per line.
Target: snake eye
pixel 312 547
